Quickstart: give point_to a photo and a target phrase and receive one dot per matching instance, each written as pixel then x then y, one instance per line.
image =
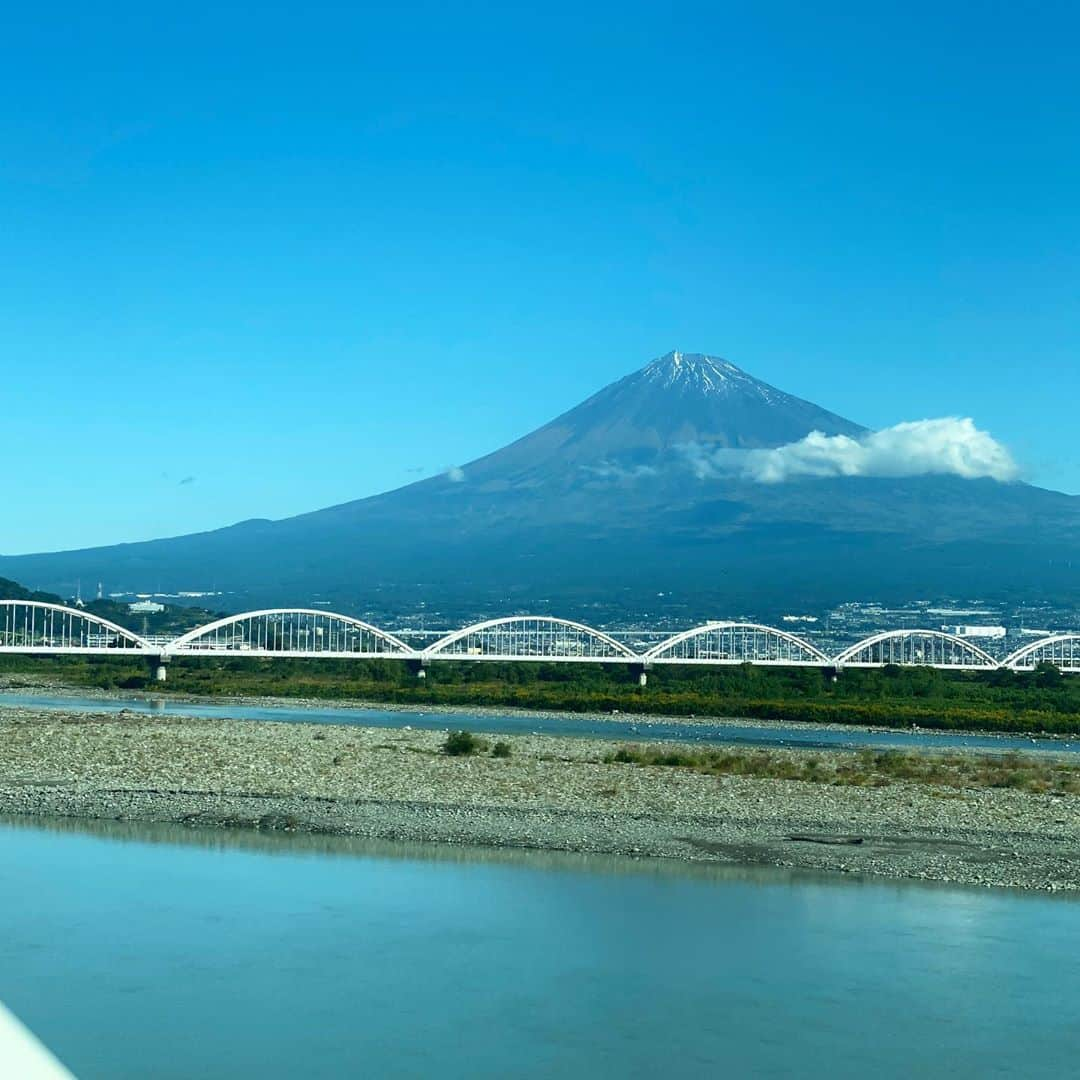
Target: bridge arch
pixel 290 632
pixel 530 637
pixel 736 643
pixel 1061 650
pixel 917 648
pixel 34 626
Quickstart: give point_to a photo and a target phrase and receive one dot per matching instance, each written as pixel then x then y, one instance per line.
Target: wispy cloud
pixel 950 446
pixel 608 470
pixel 455 474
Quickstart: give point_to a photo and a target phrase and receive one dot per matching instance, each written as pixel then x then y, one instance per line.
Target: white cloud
pixel 455 474
pixel 950 446
pixel 608 470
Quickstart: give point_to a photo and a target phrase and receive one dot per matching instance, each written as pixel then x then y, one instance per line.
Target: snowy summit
pixel 705 374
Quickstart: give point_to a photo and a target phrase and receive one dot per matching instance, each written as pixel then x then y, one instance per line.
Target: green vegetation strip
pixel 869 768
pixel 1042 702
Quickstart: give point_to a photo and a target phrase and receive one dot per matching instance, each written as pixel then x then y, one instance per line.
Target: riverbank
pixel 551 792
pixel 31 686
pixel 1042 703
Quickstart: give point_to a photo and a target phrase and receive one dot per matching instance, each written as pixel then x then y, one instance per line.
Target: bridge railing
pixel 31 626
pixel 291 632
pixel 736 643
pixel 530 637
pixel 1061 651
pixel 36 627
pixel 917 648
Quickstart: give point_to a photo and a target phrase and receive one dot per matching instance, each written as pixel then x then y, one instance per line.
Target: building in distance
pixel 988 633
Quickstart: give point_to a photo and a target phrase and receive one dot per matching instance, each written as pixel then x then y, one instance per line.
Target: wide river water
pixel 493 722
pixel 164 952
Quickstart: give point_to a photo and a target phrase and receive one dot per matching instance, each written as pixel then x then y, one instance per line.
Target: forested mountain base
pixel 1041 702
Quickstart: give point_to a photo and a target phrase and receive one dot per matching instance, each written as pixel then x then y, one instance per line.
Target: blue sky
pixel 258 260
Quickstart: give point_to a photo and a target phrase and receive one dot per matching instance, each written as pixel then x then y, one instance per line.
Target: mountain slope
pixel 611 449
pixel 678 400
pixel 603 505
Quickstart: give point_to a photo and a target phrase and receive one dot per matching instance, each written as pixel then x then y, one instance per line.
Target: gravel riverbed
pixel 551 793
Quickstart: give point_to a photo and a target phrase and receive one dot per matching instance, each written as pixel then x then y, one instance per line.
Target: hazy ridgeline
pixel 1043 701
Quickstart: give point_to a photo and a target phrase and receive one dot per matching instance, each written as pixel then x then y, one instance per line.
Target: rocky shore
pixel 553 793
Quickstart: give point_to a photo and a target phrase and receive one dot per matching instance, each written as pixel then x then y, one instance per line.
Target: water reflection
pixel 286 844
pixel 159 950
pixel 300 844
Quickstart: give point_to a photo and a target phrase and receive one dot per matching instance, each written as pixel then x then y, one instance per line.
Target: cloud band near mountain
pixel 950 446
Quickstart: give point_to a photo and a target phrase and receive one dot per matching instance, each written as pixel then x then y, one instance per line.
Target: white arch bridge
pixel 37 628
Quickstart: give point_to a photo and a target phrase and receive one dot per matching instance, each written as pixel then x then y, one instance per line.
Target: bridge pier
pixel 418 667
pixel 642 672
pixel 158 670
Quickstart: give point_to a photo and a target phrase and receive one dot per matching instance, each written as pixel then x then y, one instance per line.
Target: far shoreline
pixel 15 683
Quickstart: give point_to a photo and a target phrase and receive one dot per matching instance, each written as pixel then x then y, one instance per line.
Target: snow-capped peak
pixel 703 374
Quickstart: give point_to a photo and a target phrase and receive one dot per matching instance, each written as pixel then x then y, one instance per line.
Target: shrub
pixel 463 743
pixel 501 749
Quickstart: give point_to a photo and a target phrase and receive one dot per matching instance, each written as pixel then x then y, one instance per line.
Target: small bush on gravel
pixel 463 743
pixel 501 749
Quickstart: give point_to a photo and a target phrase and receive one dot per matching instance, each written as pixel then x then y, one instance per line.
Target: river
pixel 495 722
pixel 137 951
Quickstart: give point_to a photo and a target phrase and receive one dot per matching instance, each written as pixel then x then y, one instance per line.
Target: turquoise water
pixel 163 952
pixel 492 722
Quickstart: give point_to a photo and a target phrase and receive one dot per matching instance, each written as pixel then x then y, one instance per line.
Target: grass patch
pixel 870 768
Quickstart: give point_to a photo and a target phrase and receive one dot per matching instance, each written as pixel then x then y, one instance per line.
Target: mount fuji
pixel 637 500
